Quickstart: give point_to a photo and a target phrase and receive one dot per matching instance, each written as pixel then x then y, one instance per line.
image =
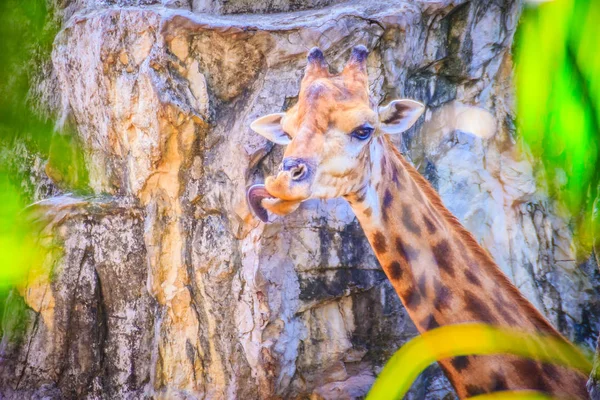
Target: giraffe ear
pixel 399 115
pixel 270 127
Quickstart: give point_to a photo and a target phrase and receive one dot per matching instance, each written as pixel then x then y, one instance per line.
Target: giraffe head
pixel 331 134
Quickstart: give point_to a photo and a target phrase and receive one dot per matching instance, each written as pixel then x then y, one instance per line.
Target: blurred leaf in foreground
pixel 513 395
pixel 466 339
pixel 558 97
pixel 17 248
pixel 27 30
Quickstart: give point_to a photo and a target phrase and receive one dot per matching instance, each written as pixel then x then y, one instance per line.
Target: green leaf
pixel 513 395
pixel 466 339
pixel 558 102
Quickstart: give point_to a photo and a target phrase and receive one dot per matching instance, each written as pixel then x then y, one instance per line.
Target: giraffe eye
pixel 363 132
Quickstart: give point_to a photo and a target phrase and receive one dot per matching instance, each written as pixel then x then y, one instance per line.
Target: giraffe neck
pixel 442 275
pixel 440 272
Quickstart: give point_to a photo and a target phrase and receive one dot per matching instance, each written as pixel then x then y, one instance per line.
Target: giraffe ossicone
pixel 338 146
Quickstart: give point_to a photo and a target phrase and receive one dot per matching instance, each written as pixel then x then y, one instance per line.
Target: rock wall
pixel 160 284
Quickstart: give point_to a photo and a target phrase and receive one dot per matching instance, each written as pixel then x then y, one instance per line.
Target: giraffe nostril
pixel 298 172
pixel 296 167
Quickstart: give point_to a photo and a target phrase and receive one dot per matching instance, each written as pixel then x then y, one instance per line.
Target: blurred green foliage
pixel 466 339
pixel 17 245
pixel 27 29
pixel 558 97
pixel 27 33
pixel 25 39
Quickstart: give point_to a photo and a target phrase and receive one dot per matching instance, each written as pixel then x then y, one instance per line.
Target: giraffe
pixel 338 146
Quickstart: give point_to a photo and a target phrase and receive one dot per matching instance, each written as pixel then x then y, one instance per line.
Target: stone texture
pixel 88 316
pixel 161 284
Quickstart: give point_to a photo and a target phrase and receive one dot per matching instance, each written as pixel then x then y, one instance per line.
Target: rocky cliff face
pixel 161 284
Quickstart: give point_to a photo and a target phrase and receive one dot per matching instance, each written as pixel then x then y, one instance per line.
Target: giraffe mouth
pixel 255 195
pixel 261 202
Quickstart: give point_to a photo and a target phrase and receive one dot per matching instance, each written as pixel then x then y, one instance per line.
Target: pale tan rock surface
pixel 160 284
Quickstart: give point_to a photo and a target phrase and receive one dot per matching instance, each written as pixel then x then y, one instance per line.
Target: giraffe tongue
pixel 255 196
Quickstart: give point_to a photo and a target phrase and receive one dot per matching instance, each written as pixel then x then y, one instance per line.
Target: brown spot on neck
pixel 394 271
pixel 379 243
pixel 471 277
pixel 535 376
pixel 443 296
pixel 408 220
pixel 396 176
pixel 505 313
pixel 386 204
pixel 459 363
pixel 412 297
pixel 443 257
pixel 422 285
pixel 431 228
pixel 478 309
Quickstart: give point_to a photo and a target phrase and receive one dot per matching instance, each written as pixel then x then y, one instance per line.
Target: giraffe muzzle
pixel 281 194
pixel 261 202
